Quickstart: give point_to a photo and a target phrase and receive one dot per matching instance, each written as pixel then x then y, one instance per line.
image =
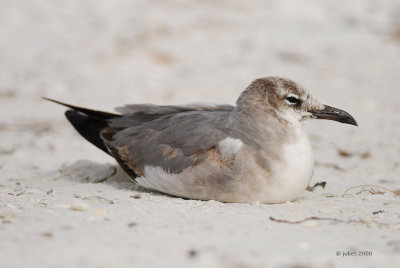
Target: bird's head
pixel 289 101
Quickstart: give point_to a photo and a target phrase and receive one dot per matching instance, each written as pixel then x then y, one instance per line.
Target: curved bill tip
pixel 332 113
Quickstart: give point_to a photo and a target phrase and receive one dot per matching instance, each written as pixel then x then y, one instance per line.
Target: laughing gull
pixel 254 151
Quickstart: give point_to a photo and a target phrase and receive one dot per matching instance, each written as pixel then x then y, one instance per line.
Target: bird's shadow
pixel 85 171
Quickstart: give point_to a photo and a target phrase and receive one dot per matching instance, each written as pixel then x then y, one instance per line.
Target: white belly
pixel 286 180
pixel 290 176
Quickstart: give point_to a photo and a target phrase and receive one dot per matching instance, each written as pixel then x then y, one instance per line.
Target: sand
pixel 63 203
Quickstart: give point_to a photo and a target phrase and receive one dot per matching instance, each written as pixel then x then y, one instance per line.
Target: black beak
pixel 335 114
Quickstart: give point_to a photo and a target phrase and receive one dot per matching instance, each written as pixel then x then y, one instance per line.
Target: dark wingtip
pixel 59 102
pixel 90 112
pixel 88 127
pixel 49 99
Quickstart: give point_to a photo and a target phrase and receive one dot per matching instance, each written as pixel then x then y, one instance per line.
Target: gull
pixel 255 151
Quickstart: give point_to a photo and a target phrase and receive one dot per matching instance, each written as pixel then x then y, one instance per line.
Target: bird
pixel 255 151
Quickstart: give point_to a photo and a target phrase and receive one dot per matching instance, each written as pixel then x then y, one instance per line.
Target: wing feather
pixel 172 139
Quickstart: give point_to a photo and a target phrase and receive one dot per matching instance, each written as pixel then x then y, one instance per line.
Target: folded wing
pixel 170 137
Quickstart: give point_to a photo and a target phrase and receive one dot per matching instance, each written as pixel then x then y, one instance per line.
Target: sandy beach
pixel 64 203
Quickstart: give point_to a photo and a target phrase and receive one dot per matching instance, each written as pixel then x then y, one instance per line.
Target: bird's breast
pixel 293 174
pixel 281 175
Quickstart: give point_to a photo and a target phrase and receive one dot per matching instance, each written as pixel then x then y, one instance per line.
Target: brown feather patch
pixel 170 152
pixel 211 155
pixel 123 152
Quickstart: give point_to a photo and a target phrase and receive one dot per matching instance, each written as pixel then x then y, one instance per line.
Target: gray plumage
pixel 167 136
pixel 254 151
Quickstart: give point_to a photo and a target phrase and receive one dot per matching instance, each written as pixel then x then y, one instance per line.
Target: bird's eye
pixel 293 100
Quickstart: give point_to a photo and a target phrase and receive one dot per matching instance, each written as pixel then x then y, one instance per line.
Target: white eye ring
pixel 292 99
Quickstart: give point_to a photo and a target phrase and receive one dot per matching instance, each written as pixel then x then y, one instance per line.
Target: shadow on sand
pixel 85 171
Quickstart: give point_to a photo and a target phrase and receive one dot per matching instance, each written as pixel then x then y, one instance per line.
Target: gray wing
pixel 170 137
pixel 152 109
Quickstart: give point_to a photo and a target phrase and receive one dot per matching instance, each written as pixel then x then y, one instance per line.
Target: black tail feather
pixel 88 127
pixel 91 113
pixel 89 123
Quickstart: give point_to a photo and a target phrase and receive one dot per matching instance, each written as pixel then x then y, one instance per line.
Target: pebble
pixel 192 253
pixel 80 206
pixel 132 224
pixel 377 212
